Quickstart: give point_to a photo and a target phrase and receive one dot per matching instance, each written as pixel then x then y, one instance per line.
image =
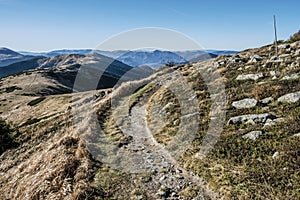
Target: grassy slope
pixel 51 153
pixel 240 168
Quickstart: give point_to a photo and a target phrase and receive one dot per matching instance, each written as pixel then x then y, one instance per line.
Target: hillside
pixel 226 128
pixel 8 57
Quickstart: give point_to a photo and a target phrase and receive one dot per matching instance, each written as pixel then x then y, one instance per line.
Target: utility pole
pixel 275 31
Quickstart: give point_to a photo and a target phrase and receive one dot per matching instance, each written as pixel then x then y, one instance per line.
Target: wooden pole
pixel 275 31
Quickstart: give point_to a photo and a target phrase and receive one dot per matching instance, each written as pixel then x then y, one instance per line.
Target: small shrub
pixel 295 37
pixel 31 121
pixel 36 101
pixel 7 134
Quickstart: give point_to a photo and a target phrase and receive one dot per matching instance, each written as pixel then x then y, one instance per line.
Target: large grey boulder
pixel 245 103
pixel 251 119
pixel 253 135
pixel 290 98
pixel 249 76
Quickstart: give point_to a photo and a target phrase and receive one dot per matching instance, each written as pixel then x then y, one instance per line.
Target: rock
pixel 283 56
pixel 279 120
pixel 253 135
pixel 179 176
pixel 245 103
pixel 235 59
pixel 266 108
pixel 222 62
pixel 283 46
pixel 176 122
pixel 273 58
pixel 274 73
pixel 295 44
pixel 296 135
pixel 276 154
pixel 162 178
pixel 174 194
pixel 290 77
pixel 161 193
pixel 248 66
pixel 267 100
pixel 290 98
pixel 164 192
pixel 139 197
pixel 270 122
pixel 251 118
pixel 261 83
pixel 250 77
pixel 255 58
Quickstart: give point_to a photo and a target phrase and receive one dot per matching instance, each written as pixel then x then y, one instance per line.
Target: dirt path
pixel 167 180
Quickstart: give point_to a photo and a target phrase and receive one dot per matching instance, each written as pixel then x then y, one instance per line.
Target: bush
pixel 31 121
pixel 36 101
pixel 7 134
pixel 295 37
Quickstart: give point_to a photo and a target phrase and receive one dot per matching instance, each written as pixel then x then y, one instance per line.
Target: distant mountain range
pixel 140 57
pixel 13 62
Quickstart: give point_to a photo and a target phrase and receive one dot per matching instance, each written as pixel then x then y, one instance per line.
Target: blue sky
pixel 38 25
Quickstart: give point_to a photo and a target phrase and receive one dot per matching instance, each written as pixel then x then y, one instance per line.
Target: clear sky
pixel 40 25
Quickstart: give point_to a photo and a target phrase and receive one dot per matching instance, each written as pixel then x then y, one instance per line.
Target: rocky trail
pixel 145 154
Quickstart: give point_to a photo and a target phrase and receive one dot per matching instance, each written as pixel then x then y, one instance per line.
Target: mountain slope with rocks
pixel 144 139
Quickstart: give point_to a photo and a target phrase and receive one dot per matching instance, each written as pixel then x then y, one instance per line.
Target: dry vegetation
pixel 46 158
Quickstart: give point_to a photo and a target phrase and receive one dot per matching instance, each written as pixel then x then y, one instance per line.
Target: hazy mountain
pixel 202 57
pixel 21 66
pixel 96 72
pixel 153 59
pixel 222 52
pixel 8 57
pixel 192 54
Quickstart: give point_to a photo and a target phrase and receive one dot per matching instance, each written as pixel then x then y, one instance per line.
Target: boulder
pixel 290 98
pixel 283 46
pixel 253 135
pixel 296 135
pixel 249 76
pixel 284 56
pixel 267 100
pixel 245 103
pixel 275 155
pixel 270 122
pixel 255 58
pixel 295 44
pixel 290 77
pixel 251 119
